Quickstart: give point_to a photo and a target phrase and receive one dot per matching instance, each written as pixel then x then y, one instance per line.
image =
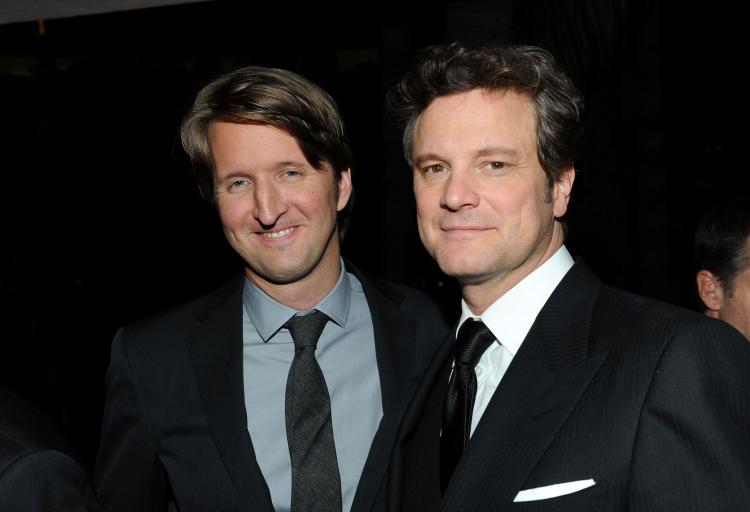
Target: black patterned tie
pixel 472 340
pixel 316 484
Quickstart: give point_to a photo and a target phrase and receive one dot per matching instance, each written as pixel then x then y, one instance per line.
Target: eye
pixel 494 167
pixel 292 173
pixel 237 183
pixel 434 169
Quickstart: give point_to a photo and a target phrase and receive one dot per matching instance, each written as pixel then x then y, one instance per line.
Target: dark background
pixel 102 223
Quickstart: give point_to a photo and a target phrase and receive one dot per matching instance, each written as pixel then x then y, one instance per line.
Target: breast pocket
pixel 592 498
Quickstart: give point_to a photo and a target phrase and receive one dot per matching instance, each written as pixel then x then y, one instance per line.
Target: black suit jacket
pixel 38 471
pixel 649 400
pixel 175 425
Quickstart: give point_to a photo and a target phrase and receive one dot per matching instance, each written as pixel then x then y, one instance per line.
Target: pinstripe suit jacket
pixel 650 401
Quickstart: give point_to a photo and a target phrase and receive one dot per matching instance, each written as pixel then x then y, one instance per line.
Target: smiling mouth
pixel 277 234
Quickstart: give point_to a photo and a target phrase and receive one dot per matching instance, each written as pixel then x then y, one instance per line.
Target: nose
pixel 460 191
pixel 269 204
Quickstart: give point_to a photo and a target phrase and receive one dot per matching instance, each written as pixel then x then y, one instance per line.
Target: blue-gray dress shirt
pixel 346 354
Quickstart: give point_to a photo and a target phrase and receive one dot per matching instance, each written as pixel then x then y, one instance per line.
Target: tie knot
pixel 472 340
pixel 306 329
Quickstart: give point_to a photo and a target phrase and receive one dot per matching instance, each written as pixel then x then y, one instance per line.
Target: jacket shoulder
pixel 415 303
pixel 161 329
pixel 25 430
pixel 620 315
pixel 410 300
pixel 45 479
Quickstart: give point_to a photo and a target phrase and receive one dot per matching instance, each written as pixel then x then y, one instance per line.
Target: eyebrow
pixel 277 165
pixel 429 156
pixel 497 150
pixel 293 163
pixel 489 151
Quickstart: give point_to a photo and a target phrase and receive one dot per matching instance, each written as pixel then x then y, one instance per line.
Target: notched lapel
pixel 433 384
pixel 416 457
pixel 215 348
pixel 563 330
pixel 394 336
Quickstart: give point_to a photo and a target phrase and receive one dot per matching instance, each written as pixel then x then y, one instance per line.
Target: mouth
pixel 461 229
pixel 277 234
pixel 462 232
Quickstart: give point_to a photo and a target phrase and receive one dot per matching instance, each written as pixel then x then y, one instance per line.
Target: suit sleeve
pixel 128 475
pixel 46 481
pixel 692 450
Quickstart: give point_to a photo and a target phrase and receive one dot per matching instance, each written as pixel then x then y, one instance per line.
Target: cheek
pixel 740 300
pixel 535 207
pixel 742 305
pixel 425 220
pixel 428 202
pixel 312 204
pixel 308 198
pixel 232 213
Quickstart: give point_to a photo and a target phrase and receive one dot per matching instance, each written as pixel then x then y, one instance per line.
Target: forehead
pixel 478 117
pixel 247 139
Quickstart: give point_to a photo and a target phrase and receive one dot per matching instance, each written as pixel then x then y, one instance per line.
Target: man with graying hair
pixel 555 391
pixel 722 261
pixel 283 389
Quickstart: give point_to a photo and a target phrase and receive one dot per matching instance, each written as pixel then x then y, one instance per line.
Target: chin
pixel 464 271
pixel 279 274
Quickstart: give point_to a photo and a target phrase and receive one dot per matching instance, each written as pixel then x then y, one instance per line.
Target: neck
pixel 481 295
pixel 304 293
pixel 712 314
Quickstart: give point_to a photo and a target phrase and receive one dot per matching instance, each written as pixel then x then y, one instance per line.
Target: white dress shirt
pixel 509 318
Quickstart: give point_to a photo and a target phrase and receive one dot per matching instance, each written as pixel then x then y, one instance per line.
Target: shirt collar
pixel 268 315
pixel 511 316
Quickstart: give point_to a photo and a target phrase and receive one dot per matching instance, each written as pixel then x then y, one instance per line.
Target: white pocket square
pixel 553 491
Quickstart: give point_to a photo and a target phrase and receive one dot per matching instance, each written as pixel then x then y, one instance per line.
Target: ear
pixel 345 189
pixel 710 291
pixel 561 191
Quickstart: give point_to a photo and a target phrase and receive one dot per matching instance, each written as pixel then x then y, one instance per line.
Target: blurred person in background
pixel 722 262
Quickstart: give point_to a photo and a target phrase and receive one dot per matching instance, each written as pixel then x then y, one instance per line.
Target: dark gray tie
pixel 316 484
pixel 472 340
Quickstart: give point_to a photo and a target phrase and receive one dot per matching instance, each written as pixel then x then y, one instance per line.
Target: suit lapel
pixel 414 480
pixel 394 348
pixel 215 348
pixel 541 387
